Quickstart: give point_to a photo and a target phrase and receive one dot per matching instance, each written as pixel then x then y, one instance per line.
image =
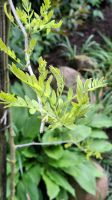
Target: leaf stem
pixel 43 144
pixel 27 56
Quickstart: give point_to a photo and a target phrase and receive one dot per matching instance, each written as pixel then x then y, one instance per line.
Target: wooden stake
pixel 4 87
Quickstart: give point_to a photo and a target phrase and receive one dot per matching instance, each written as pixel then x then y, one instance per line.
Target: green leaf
pixel 56 135
pixel 101 121
pixel 81 93
pixel 45 6
pixel 89 85
pixel 52 188
pixel 7 98
pixel 59 78
pixel 8 51
pixel 98 13
pixel 42 69
pixel 80 133
pixel 32 44
pixel 10 101
pixel 29 153
pixel 67 160
pixel 31 127
pixel 19 115
pixel 26 5
pixel 35 173
pixel 62 195
pixel 28 91
pixel 70 94
pixel 8 14
pixel 55 152
pixel 59 179
pixel 22 15
pixel 21 192
pixel 57 25
pixel 48 87
pixel 97 133
pixel 53 98
pixel 17 89
pixel 31 190
pixel 100 146
pixel 32 111
pixel 84 176
pixel 96 172
pixel 30 80
pixel 96 83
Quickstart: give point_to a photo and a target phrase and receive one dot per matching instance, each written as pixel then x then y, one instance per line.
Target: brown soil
pixel 92 26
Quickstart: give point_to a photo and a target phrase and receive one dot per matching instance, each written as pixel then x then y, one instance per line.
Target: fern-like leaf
pixel 26 5
pixel 81 93
pixel 96 83
pixel 22 15
pixel 11 101
pixel 30 80
pixel 89 85
pixel 42 69
pixel 59 78
pixel 7 98
pixel 8 51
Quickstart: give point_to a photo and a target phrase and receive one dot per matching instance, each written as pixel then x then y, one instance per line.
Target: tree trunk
pixel 4 87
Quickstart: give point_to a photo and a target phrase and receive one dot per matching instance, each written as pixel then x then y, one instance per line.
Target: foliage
pixel 107 164
pixel 77 57
pixel 53 110
pixel 107 103
pixel 96 11
pixel 95 2
pixel 101 54
pixel 8 51
pixel 34 23
pixel 66 117
pixel 75 14
pixel 69 52
pixel 43 43
pixel 54 155
pixel 52 164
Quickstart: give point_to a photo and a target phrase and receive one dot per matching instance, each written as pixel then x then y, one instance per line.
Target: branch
pixel 4 118
pixel 25 36
pixel 26 52
pixel 43 144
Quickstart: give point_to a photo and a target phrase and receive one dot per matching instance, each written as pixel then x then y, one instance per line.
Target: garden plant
pixel 51 137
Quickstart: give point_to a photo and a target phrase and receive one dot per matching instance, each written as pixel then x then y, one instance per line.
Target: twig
pixel 4 128
pixel 44 144
pixel 28 196
pixel 25 36
pixel 26 52
pixel 4 118
pixel 42 125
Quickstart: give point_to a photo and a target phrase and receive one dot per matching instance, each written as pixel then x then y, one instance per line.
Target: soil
pixel 95 26
pixel 92 26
